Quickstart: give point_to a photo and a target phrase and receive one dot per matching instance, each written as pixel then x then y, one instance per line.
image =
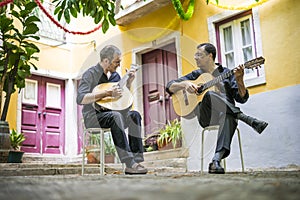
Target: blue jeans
pixel 131 149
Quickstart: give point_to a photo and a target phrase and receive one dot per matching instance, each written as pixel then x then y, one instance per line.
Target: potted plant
pixel 170 136
pixel 151 142
pixel 110 150
pixel 93 149
pixel 15 155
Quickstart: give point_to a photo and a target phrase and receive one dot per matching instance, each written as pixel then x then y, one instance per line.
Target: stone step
pixel 25 169
pixel 157 162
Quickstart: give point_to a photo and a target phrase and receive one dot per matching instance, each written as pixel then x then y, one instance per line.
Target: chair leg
pixel 102 153
pixel 241 152
pixel 202 150
pixel 83 153
pixel 224 163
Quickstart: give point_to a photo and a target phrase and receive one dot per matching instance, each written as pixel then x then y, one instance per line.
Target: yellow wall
pixel 279 30
pixel 281 45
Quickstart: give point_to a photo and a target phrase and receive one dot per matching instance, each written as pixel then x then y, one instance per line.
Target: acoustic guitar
pixel 120 103
pixel 184 102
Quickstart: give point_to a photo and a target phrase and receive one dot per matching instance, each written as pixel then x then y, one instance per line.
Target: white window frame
pixel 251 79
pixel 53 100
pixel 33 101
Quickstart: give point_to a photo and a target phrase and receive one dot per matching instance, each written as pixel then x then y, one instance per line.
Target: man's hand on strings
pixel 190 87
pixel 114 91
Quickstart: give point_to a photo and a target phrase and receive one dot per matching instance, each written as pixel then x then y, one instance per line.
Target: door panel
pixel 43 115
pixel 30 119
pixel 159 67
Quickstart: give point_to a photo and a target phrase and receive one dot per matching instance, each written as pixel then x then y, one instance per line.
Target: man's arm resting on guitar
pixel 98 95
pixel 93 97
pixel 189 86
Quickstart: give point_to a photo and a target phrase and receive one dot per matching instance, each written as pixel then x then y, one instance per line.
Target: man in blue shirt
pixel 129 151
pixel 218 107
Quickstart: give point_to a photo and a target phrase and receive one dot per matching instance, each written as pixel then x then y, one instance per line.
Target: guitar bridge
pixel 186 100
pixel 200 90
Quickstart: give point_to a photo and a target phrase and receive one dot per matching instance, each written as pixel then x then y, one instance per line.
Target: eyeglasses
pixel 199 55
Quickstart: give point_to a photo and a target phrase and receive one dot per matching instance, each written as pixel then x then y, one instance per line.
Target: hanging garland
pixel 62 27
pixel 4 3
pixel 179 9
pixel 232 7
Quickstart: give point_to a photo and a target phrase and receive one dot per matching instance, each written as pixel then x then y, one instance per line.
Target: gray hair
pixel 109 52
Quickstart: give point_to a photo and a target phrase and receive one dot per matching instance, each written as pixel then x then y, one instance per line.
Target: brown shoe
pixel 136 169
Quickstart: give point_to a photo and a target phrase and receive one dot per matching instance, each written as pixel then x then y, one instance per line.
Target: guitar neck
pixel 124 79
pixel 248 65
pixel 216 80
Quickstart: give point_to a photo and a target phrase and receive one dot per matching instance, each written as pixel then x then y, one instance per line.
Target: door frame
pixel 138 100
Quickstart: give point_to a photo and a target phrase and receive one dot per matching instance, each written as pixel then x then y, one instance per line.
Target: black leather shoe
pixel 259 125
pixel 215 168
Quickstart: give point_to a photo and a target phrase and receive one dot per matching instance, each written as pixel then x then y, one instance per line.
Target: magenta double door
pixel 43 115
pixel 159 67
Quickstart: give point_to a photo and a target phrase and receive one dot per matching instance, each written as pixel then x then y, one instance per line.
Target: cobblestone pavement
pixel 261 185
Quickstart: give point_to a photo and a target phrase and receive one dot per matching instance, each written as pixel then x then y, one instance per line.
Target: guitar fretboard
pixel 124 79
pixel 248 65
pixel 216 80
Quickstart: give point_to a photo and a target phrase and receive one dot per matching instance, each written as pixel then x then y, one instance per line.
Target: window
pixel 30 92
pixel 237 37
pixel 53 97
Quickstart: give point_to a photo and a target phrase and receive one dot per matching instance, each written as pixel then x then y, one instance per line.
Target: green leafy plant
pixel 110 148
pixel 172 132
pixel 94 140
pixel 16 50
pixel 101 11
pixel 16 139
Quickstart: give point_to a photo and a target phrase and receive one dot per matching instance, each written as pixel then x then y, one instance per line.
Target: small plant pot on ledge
pixel 15 156
pixel 109 158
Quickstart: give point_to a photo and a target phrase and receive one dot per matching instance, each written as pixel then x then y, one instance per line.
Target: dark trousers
pixel 216 110
pixel 131 149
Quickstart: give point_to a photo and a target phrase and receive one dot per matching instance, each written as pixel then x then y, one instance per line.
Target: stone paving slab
pixel 256 185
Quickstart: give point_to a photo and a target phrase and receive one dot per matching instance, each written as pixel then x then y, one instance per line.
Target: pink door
pixel 43 116
pixel 159 67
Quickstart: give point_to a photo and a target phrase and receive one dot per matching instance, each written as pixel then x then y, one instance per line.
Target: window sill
pixel 255 81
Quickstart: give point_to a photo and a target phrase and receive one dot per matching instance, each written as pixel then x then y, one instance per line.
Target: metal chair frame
pixel 216 128
pixel 100 131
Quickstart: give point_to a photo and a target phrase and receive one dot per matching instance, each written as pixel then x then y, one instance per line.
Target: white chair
pixel 88 131
pixel 216 128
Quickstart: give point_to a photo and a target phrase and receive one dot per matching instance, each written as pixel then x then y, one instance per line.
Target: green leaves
pixel 16 139
pixel 172 132
pixel 102 11
pixel 16 51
